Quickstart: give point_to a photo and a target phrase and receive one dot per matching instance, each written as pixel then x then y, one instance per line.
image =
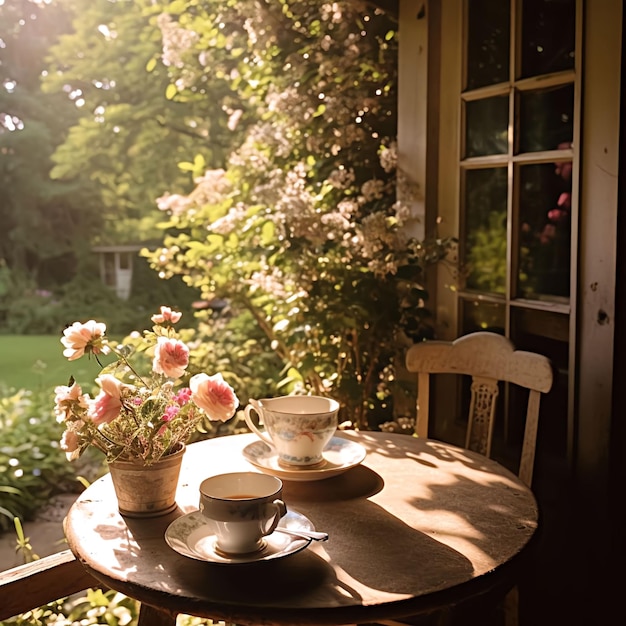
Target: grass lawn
pixel 37 362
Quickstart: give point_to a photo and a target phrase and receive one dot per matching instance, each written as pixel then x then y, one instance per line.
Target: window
pixel 511 81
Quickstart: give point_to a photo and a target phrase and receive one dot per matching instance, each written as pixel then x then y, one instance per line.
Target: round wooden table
pixel 418 527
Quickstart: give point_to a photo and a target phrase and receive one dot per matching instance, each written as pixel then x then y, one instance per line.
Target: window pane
pixel 109 269
pixel 547 333
pixel 487 43
pixel 125 262
pixel 548 36
pixel 546 119
pixel 477 315
pixel 485 229
pixel 487 126
pixel 545 225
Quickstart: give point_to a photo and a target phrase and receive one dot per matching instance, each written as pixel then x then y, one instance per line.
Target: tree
pixel 42 221
pixel 130 136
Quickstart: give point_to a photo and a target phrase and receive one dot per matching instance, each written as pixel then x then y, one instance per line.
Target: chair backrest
pixel 488 358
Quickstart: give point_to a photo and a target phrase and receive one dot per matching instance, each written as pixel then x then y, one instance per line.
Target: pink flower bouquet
pixel 140 413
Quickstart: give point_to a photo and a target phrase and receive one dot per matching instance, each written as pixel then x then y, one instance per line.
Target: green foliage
pixel 130 135
pixel 32 467
pixel 42 220
pixel 486 254
pixel 93 607
pixel 23 543
pixel 27 310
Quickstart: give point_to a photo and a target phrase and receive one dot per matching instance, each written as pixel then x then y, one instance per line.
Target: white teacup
pixel 241 508
pixel 298 427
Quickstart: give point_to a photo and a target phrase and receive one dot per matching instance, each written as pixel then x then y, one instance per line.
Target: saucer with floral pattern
pixel 339 456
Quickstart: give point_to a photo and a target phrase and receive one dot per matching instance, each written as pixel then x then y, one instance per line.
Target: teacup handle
pixel 254 405
pixel 279 509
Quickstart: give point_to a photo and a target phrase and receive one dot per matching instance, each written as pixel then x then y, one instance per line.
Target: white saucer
pixel 339 455
pixel 190 536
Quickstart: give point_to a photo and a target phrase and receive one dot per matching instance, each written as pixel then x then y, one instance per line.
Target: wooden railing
pixel 60 575
pixel 35 584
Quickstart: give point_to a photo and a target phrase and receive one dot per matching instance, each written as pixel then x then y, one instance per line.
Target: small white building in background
pixel 116 267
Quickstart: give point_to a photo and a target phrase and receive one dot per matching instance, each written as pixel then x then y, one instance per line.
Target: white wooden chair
pixel 487 358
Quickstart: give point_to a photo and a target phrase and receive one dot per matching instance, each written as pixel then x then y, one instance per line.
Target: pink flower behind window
pixel 171 357
pixel 214 396
pixel 557 215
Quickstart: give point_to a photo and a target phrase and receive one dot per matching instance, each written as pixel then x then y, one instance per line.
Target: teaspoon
pixel 303 534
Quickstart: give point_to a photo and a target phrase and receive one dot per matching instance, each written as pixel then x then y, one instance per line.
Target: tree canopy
pixel 130 136
pixel 43 220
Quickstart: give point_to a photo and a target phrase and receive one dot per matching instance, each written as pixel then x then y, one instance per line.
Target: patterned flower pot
pixel 147 490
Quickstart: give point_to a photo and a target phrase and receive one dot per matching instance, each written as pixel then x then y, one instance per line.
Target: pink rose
pixel 556 215
pixel 565 200
pixel 166 315
pixel 214 396
pixel 547 234
pixel 66 398
pixel 171 357
pixel 70 441
pixel 80 338
pixel 108 403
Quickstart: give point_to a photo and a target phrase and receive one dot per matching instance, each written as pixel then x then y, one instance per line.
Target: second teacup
pixel 298 427
pixel 241 508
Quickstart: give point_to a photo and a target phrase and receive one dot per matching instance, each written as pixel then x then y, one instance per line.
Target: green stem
pixel 131 368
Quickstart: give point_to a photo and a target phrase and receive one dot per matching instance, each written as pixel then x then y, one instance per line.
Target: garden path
pixel 45 532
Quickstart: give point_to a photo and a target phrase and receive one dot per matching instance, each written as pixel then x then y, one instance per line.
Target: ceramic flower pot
pixel 147 490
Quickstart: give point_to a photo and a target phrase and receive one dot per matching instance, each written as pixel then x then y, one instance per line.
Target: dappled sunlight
pixel 459 499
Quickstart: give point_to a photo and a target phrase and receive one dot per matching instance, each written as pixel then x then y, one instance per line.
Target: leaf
pixel 321 109
pixel 6 512
pixel 83 481
pixel 171 91
pixel 268 231
pixel 199 162
pixel 185 166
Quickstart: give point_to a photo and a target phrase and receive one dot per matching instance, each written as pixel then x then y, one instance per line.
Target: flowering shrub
pixel 306 226
pixel 139 413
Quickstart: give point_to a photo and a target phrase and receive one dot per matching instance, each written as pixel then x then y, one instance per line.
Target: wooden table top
pixel 418 525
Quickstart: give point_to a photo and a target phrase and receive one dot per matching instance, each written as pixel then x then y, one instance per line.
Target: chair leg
pixel 149 616
pixel 511 608
pixel 440 619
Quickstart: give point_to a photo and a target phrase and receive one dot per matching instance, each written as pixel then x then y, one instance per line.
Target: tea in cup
pixel 298 427
pixel 240 509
